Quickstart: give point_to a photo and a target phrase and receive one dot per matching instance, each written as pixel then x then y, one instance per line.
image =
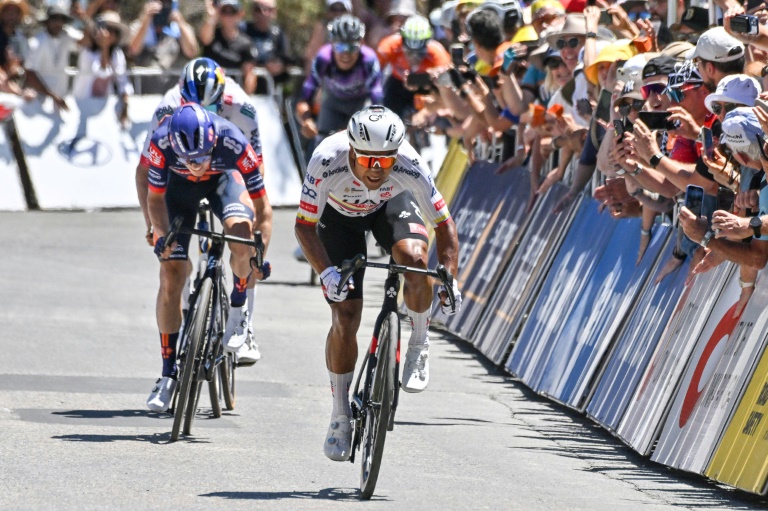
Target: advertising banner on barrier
pixel 478 277
pixel 601 308
pixel 11 192
pixel 741 459
pixel 575 262
pixel 648 407
pixel 637 341
pixel 483 212
pixel 84 159
pixel 523 276
pixel 717 373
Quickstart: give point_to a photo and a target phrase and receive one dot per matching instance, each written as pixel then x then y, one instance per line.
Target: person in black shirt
pixel 223 41
pixel 269 40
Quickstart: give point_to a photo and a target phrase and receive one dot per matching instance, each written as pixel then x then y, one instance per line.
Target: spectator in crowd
pixel 659 12
pixel 161 39
pixel 96 7
pixel 695 21
pixel 717 55
pixel 487 37
pixel 102 66
pixel 411 51
pixel 49 52
pixel 13 47
pixel 348 74
pixel 319 37
pixel 547 15
pixel 224 42
pixel 269 40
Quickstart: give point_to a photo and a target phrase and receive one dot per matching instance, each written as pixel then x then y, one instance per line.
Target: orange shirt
pixel 391 52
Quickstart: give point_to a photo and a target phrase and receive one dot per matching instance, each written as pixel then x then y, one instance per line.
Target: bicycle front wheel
pixel 193 340
pixel 377 410
pixel 227 375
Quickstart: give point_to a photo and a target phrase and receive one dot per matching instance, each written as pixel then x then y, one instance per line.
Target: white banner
pixel 83 159
pixel 717 373
pixel 11 193
pixel 648 407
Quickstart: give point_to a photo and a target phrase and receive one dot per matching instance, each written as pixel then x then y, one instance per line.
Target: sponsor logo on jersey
pixel 404 214
pixel 337 170
pixel 439 204
pixel 227 99
pixel 434 191
pixel 233 144
pixel 230 208
pixel 406 171
pixel 156 157
pixel 254 180
pixel 248 110
pixel 325 162
pixel 315 181
pixel 418 229
pixel 162 112
pixel 415 162
pixel 306 206
pixel 305 190
pixel 164 142
pixel 386 188
pixel 386 195
pixel 248 161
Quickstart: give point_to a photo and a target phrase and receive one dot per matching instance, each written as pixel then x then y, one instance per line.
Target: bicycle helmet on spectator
pixel 192 132
pixel 375 129
pixel 346 29
pixel 416 32
pixel 202 82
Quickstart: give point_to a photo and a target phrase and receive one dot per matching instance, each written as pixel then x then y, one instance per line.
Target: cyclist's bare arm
pixel 263 220
pixel 158 214
pixel 447 245
pixel 142 181
pixel 312 247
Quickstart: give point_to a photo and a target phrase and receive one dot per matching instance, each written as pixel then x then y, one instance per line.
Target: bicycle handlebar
pixel 257 242
pixel 350 266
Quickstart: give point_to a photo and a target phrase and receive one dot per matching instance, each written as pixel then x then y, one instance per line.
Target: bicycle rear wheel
pixel 227 386
pixel 214 392
pixel 197 330
pixel 382 391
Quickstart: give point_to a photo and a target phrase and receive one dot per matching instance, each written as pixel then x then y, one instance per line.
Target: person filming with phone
pixel 161 39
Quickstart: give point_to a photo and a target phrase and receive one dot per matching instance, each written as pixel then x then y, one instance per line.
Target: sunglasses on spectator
pixel 346 47
pixel 371 161
pixel 653 88
pixel 677 95
pixel 718 107
pixel 635 104
pixel 263 9
pixel 634 16
pixel 573 42
pixel 554 63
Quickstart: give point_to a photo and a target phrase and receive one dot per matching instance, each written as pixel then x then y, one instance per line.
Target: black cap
pixel 57 10
pixel 662 65
pixel 695 18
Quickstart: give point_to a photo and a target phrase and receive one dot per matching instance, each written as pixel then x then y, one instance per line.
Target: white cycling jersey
pixel 236 107
pixel 330 181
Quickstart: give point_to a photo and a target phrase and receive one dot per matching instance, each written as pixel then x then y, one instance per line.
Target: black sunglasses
pixel 635 104
pixel 573 42
pixel 719 107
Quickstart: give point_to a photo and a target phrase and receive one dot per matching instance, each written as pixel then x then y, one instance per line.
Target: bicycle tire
pixel 382 390
pixel 227 375
pixel 196 329
pixel 189 417
pixel 214 392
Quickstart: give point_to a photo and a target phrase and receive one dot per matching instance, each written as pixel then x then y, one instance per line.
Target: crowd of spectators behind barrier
pixel 541 78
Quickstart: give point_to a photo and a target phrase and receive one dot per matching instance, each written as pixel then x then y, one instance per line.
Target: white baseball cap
pixel 739 89
pixel 717 45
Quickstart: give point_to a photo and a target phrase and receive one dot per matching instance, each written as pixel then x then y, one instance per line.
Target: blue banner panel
pixel 648 408
pixel 636 344
pixel 596 317
pixel 524 275
pixel 478 276
pixel 575 262
pixel 483 212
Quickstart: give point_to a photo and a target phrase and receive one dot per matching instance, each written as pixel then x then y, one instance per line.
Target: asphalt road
pixel 80 352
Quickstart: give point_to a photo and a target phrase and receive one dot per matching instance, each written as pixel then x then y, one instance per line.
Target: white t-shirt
pixel 330 181
pixel 49 58
pixel 236 107
pixel 94 81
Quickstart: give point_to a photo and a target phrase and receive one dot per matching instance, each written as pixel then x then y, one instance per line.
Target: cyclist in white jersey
pixel 372 180
pixel 202 81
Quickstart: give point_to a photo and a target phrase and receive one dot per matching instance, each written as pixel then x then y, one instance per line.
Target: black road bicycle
pixel 375 401
pixel 201 355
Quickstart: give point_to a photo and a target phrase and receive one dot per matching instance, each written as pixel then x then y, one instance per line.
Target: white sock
pixel 419 328
pixel 250 294
pixel 340 384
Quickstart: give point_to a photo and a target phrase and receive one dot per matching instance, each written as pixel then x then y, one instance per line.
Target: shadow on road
pixel 111 414
pixel 157 438
pixel 336 494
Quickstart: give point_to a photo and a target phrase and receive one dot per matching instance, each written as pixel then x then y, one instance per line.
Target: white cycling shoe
pixel 416 369
pixel 237 329
pixel 160 398
pixel 248 354
pixel 338 440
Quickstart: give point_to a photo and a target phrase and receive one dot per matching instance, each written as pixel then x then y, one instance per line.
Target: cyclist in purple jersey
pixel 349 75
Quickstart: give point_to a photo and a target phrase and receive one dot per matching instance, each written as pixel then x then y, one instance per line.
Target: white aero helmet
pixel 375 128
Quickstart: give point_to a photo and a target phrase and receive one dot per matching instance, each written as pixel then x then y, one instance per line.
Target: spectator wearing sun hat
pixel 732 92
pixel 717 54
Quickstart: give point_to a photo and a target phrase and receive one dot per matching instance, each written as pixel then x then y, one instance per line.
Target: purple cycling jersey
pixel 362 81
